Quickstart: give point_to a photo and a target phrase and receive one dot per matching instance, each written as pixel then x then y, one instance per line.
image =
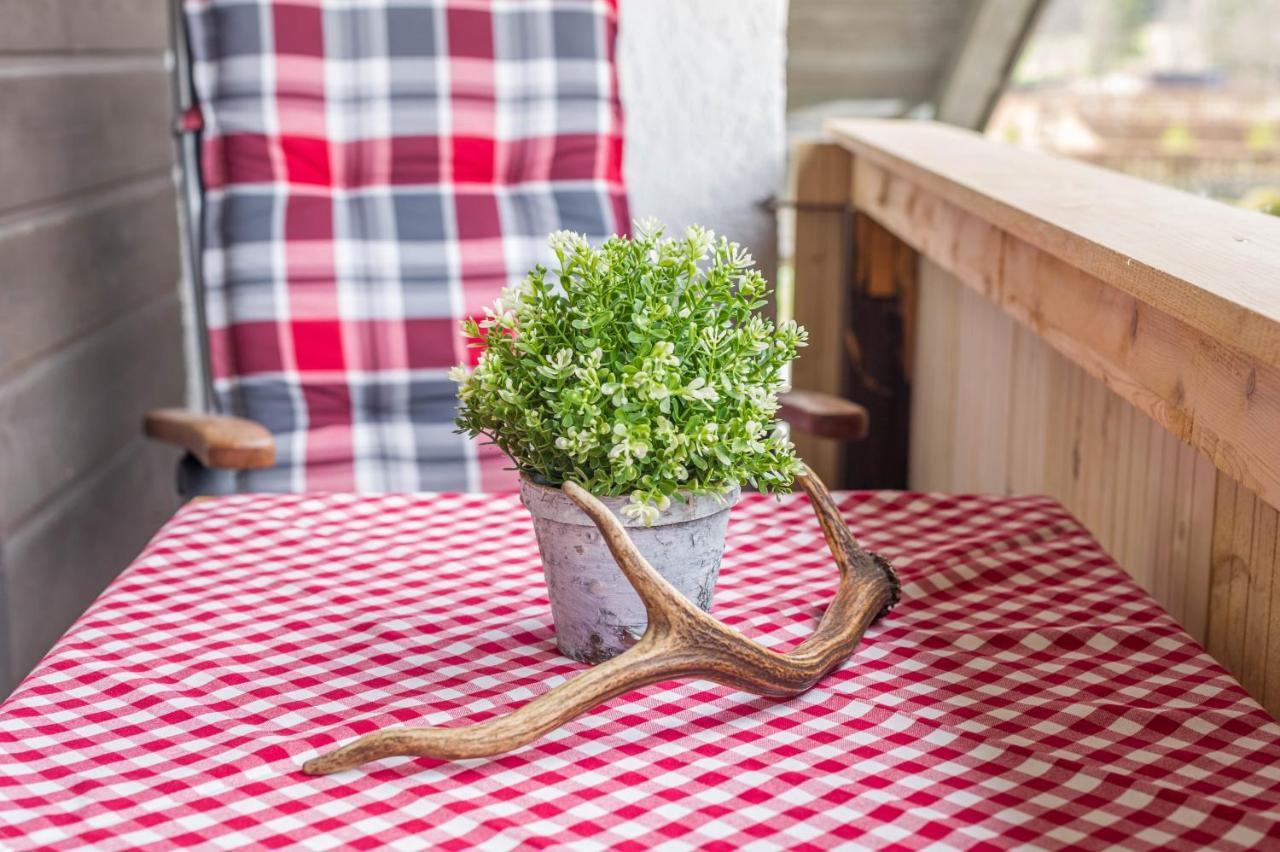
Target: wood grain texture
pixel 884 266
pixel 218 441
pixel 819 182
pixel 998 410
pixel 1201 388
pixel 1209 265
pixel 1244 611
pixel 934 381
pixel 681 641
pixel 840 50
pixel 823 415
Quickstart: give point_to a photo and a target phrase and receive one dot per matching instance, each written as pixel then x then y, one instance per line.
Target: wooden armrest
pixel 824 415
pixel 219 442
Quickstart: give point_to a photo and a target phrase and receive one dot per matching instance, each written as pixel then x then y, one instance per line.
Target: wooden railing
pixel 1071 331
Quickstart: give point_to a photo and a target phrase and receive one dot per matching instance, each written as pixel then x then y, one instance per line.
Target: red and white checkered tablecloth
pixel 1024 693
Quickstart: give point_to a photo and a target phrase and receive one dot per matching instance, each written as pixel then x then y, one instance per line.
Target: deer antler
pixel 681 642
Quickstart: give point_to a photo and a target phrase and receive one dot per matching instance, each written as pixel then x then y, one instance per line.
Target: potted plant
pixel 643 371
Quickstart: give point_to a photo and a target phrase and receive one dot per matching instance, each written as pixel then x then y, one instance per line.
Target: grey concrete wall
pixel 90 319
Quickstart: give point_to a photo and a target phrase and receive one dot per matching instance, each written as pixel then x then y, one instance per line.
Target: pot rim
pixel 548 502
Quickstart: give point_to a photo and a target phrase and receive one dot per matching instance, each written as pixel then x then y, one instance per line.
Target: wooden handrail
pixel 1213 266
pixel 1171 300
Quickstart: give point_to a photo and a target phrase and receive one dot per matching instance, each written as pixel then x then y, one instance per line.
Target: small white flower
pixel 496 316
pixel 700 238
pixel 740 257
pixel 512 296
pixel 459 374
pixel 558 366
pixel 639 510
pixel 567 242
pixel 664 352
pixel 700 390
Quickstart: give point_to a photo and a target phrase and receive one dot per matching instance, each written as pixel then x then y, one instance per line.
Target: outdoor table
pixel 1025 692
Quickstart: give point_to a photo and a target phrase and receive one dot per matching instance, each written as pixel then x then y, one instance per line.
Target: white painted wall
pixel 704 89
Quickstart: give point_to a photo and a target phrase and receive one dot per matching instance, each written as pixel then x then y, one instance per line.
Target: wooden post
pixel 878 343
pixel 819 187
pixel 855 285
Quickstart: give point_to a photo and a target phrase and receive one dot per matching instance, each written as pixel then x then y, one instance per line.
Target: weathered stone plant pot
pixel 596 612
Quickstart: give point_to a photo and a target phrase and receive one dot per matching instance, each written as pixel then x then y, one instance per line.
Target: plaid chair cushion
pixel 375 170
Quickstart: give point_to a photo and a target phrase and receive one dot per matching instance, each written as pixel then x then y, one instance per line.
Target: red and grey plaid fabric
pixel 1025 693
pixel 374 171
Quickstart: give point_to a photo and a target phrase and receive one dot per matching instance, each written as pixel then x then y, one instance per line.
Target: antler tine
pixel 834 529
pixel 642 664
pixel 662 602
pixel 840 541
pixel 681 641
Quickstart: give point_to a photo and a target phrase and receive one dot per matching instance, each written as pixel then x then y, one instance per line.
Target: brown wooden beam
pixel 819 186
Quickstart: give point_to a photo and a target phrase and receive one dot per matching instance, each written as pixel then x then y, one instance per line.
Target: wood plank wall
pixel 1031 421
pixel 1244 595
pixel 90 320
pixel 995 409
pixel 903 47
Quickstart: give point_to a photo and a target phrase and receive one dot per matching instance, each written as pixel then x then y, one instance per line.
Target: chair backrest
pixel 372 173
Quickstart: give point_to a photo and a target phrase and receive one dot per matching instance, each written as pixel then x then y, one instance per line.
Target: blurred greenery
pixel 1177 139
pixel 1261 136
pixel 1122 39
pixel 1265 199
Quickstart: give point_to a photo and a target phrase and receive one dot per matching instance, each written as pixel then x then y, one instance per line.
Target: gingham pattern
pixel 374 171
pixel 1024 693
